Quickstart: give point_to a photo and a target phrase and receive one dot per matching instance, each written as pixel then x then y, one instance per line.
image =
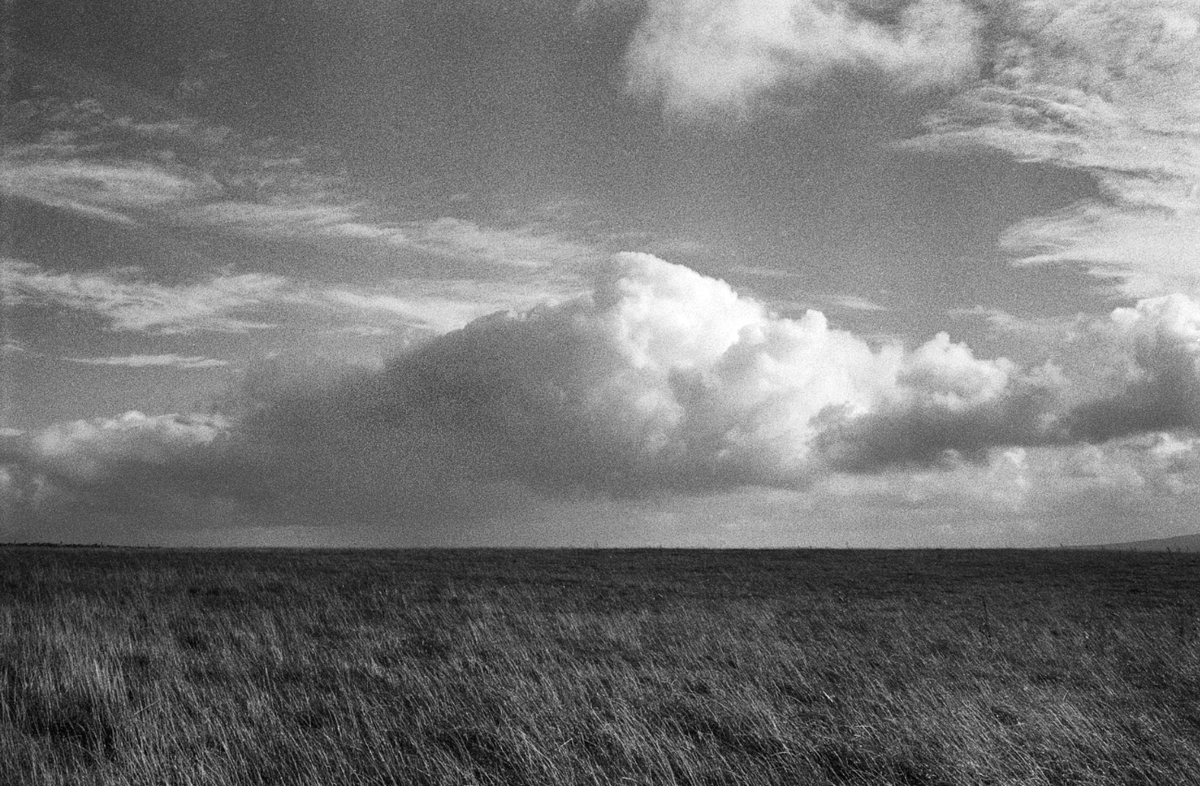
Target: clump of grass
pixel 138 667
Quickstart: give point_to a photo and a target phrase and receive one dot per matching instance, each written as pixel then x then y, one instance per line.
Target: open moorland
pixel 579 667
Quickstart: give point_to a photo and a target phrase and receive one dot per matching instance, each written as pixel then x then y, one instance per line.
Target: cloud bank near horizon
pixel 659 383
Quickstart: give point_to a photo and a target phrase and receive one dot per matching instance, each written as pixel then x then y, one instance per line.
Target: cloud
pixel 437 306
pixel 131 192
pixel 75 155
pixel 1153 371
pixel 292 220
pixel 521 247
pixel 102 476
pixel 1146 485
pixel 104 190
pixel 127 302
pixel 856 303
pixel 238 303
pixel 1135 371
pixel 183 175
pixel 56 138
pixel 1104 75
pixel 659 383
pixel 664 380
pixel 128 191
pixel 1112 89
pixel 11 346
pixel 947 406
pixel 1150 250
pixel 696 56
pixel 87 449
pixel 154 361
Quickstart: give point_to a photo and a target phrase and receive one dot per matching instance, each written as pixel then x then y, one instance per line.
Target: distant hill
pixel 1179 543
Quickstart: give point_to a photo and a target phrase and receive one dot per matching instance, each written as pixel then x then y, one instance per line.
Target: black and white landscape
pixel 599 391
pixel 688 273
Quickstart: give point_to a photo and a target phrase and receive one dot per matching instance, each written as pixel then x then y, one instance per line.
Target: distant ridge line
pixel 1177 543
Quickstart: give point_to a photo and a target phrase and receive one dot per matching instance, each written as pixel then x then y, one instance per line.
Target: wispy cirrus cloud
pixel 128 302
pixel 1112 89
pixel 170 178
pixel 291 220
pixel 127 190
pixel 154 361
pixel 11 346
pixel 111 191
pixel 523 247
pixel 124 300
pixel 435 306
pixel 1150 250
pixel 135 158
pixel 130 192
pixel 78 156
pixel 856 303
pixel 185 172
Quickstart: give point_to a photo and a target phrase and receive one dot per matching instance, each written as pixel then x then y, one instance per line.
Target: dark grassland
pixel 571 667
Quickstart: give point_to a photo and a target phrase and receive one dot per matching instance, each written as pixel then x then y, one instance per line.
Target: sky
pixel 736 273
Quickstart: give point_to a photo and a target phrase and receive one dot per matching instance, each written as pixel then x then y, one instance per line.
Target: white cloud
pixel 1150 370
pixel 129 303
pixel 1090 83
pixel 665 379
pixel 300 219
pixel 702 55
pixel 520 247
pixel 1108 88
pixel 1151 251
pixel 10 345
pixel 106 190
pixel 154 361
pixel 1137 487
pixel 663 382
pixel 90 449
pixel 237 303
pixel 111 478
pixel 435 309
pixel 254 191
pixel 856 303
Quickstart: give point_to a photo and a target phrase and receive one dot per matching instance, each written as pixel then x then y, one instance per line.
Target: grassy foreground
pixel 565 667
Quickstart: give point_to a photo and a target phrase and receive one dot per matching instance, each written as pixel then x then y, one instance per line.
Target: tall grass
pixel 674 667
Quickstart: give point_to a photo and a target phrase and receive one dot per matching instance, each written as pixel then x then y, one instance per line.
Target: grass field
pixel 573 667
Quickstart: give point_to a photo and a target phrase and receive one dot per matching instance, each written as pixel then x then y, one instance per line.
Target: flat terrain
pixel 572 667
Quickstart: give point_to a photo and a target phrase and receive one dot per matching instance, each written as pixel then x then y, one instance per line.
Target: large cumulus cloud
pixel 660 382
